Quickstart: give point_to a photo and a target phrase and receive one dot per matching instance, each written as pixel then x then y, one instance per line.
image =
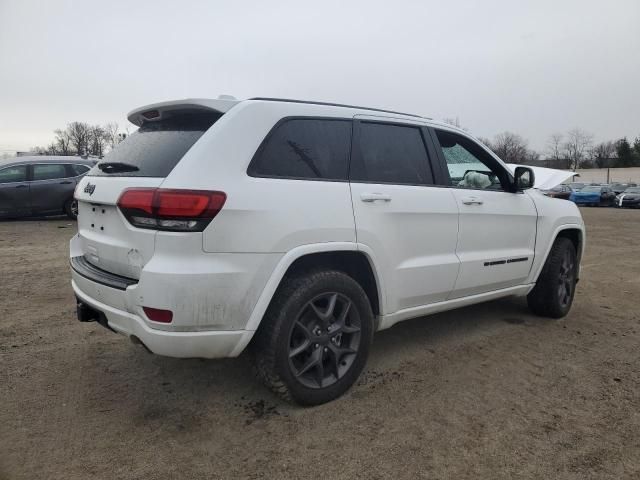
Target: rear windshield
pixel 156 147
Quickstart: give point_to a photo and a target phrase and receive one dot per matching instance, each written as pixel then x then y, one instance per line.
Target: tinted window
pixel 79 169
pixel 157 146
pixel 469 165
pixel 305 148
pixel 13 174
pixel 391 154
pixel 48 172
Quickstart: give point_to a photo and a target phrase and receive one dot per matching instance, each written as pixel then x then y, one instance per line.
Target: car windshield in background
pixel 632 190
pixel 156 148
pixel 591 189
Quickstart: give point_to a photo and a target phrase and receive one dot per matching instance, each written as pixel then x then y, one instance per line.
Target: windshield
pixel 632 190
pixel 156 148
pixel 591 189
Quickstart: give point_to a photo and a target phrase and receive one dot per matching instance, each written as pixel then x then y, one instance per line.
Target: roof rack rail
pixel 289 100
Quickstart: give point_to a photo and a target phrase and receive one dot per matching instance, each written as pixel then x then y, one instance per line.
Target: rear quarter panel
pixel 262 215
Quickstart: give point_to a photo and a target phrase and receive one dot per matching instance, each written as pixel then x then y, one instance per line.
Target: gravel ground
pixel 488 391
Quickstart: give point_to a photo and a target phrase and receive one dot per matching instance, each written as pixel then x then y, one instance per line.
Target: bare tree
pixel 112 134
pixel 602 153
pixel 79 135
pixel 97 141
pixel 452 121
pixel 554 151
pixel 62 143
pixel 455 122
pixel 510 147
pixel 486 142
pixel 576 146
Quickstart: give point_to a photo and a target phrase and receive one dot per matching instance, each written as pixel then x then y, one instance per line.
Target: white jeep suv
pixel 298 229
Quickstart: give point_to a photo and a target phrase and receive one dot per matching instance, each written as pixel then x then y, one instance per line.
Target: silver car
pixel 40 185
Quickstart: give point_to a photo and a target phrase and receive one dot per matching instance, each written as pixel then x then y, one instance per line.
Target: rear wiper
pixel 117 167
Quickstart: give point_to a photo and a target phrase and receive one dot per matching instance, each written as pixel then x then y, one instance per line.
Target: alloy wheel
pixel 566 282
pixel 324 340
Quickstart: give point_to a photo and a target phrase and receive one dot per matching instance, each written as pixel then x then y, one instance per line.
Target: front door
pixel 14 191
pixel 407 222
pixel 497 234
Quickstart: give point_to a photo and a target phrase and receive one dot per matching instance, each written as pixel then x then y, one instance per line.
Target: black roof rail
pixel 289 100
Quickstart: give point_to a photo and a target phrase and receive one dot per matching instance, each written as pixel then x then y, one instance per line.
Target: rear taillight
pixel 173 210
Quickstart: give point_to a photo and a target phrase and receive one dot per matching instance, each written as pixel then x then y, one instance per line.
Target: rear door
pixel 143 160
pixel 497 233
pixel 50 187
pixel 410 224
pixel 14 191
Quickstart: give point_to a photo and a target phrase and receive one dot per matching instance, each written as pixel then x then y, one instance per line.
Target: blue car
pixel 594 195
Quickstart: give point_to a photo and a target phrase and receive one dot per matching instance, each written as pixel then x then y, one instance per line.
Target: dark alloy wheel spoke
pixel 294 352
pixel 326 315
pixel 324 340
pixel 314 359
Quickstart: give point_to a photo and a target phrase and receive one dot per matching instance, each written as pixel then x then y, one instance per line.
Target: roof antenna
pixel 226 97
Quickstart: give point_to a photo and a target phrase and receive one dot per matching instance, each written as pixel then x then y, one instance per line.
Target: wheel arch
pixel 346 257
pixel 573 232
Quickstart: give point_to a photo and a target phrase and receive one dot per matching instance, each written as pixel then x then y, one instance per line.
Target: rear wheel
pixel 71 208
pixel 553 294
pixel 315 338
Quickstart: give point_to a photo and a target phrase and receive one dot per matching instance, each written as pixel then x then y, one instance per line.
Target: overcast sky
pixel 532 67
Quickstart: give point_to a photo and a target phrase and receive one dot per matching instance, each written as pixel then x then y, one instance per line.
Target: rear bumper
pixel 201 344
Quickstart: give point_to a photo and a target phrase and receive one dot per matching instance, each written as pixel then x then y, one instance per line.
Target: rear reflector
pixel 158 315
pixel 173 210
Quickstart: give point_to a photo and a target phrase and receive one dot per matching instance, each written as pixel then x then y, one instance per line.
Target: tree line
pixel 81 138
pixel 571 150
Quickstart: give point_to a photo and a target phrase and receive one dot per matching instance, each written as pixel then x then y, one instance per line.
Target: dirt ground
pixel 485 392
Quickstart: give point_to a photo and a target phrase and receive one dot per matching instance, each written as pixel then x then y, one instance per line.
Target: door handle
pixel 372 197
pixel 472 201
pixel 65 183
pixel 21 186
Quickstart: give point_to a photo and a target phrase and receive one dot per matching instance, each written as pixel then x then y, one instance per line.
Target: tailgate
pixel 108 241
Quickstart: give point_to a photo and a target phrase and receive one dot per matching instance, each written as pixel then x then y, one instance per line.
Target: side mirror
pixel 523 178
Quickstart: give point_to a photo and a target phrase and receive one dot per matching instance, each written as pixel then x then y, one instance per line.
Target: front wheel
pixel 315 337
pixel 554 291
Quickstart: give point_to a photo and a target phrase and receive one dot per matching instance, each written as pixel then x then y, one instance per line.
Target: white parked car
pixel 298 229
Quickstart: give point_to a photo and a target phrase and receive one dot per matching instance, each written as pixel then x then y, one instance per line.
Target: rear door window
pixel 13 174
pixel 314 149
pixel 79 169
pixel 49 172
pixel 157 147
pixel 389 153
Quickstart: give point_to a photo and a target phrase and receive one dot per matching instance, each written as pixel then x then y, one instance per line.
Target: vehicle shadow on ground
pixel 180 392
pixel 51 218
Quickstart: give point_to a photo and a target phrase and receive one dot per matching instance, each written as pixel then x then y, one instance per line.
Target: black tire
pixel 292 324
pixel 71 208
pixel 556 286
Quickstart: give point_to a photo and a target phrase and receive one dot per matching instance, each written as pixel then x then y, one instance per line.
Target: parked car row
pixel 598 194
pixel 40 185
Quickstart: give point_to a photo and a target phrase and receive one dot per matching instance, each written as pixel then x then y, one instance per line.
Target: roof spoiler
pixel 155 111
